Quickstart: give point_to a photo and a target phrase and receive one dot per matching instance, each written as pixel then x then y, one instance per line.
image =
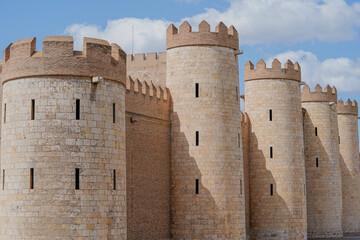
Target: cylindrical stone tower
pixel 349 162
pixel 277 172
pixel 202 75
pixel 63 167
pixel 323 173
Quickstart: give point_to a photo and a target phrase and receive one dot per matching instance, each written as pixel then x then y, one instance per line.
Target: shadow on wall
pixel 194 216
pixel 148 180
pixel 351 192
pixel 323 215
pixel 270 217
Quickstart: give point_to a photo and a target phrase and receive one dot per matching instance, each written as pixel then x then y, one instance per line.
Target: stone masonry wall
pixel 217 210
pixel 150 68
pixel 148 164
pixel 245 130
pixel 323 182
pixel 54 144
pixel 281 215
pixel 350 175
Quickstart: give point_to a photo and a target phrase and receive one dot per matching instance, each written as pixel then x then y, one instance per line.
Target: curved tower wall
pixel 277 182
pixel 323 173
pixel 54 144
pixel 349 162
pixel 217 211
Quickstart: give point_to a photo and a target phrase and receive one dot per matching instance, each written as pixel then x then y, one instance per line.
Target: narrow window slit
pixel 32 109
pixel 317 162
pixel 5 113
pixel 77 109
pixel 239 140
pixel 270 115
pixel 114 179
pixel 197 186
pixel 77 178
pixel 271 152
pixel 197 138
pixel 3 180
pixel 271 190
pixel 31 178
pixel 237 94
pixel 114 116
pixel 241 187
pixel 196 90
pixel 316 131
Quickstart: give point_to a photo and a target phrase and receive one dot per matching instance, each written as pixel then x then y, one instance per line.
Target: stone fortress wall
pixel 58 125
pixel 322 161
pixel 349 162
pixel 166 186
pixel 277 175
pixel 206 166
pixel 147 116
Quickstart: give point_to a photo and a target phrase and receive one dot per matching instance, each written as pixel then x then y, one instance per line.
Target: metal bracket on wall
pixel 134 119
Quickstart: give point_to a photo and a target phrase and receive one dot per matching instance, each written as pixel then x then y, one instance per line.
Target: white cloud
pixel 149 35
pixel 343 73
pixel 284 21
pixel 260 21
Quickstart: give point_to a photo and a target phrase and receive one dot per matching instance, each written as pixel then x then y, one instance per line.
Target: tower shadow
pixel 197 214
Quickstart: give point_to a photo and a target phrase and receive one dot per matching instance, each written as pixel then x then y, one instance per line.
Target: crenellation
pixel 290 71
pixel 222 37
pixel 58 58
pixel 55 46
pixel 319 95
pixel 350 107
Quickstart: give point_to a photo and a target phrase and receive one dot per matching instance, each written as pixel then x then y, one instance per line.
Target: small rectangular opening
pixel 271 190
pixel 31 178
pixel 316 131
pixel 237 94
pixel 197 138
pixel 32 109
pixel 3 180
pixel 339 139
pixel 114 108
pixel 196 90
pixel 114 179
pixel 271 152
pixel 77 178
pixel 5 113
pixel 239 140
pixel 197 186
pixel 317 162
pixel 270 115
pixel 241 187
pixel 304 190
pixel 77 109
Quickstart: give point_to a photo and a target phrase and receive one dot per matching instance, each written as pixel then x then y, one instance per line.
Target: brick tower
pixel 206 168
pixel 349 162
pixel 276 168
pixel 63 162
pixel 323 173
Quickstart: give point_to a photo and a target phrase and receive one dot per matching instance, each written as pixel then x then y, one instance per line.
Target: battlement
pixel 150 67
pixel 161 93
pixel 290 71
pixel 149 58
pixel 328 95
pixel 222 37
pixel 147 100
pixel 348 108
pixel 58 58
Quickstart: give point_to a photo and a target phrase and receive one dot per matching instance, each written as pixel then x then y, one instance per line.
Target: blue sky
pixel 324 36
